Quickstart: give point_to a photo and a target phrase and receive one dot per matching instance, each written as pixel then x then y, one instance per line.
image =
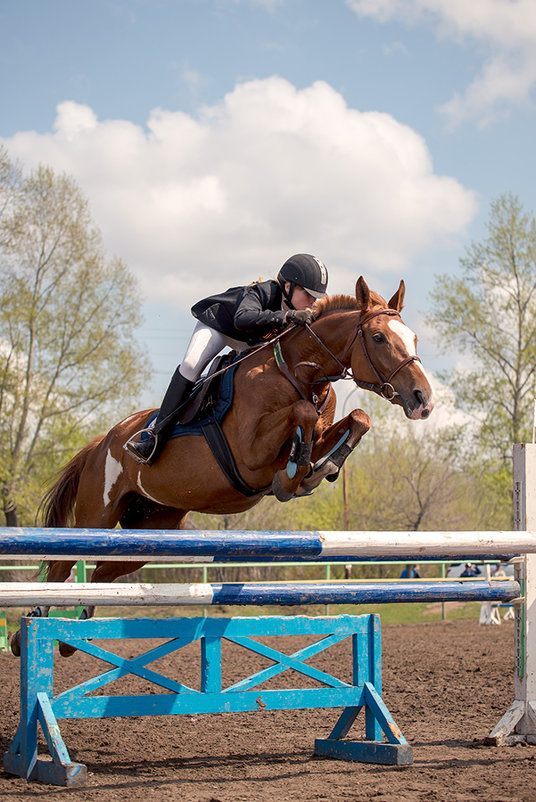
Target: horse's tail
pixel 57 506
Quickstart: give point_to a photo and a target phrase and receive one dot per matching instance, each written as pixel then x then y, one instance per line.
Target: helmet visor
pixel 314 293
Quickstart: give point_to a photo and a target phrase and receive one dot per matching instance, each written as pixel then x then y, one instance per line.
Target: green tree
pixel 489 315
pixel 68 358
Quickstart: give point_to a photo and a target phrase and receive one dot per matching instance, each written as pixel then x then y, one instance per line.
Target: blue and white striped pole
pixel 59 594
pixel 192 545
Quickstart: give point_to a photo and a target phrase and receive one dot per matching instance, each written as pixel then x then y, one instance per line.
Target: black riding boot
pixel 178 391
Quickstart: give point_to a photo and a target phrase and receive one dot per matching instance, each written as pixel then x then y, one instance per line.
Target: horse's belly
pixel 187 477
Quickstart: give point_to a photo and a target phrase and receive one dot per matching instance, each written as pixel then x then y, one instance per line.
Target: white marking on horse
pixel 145 493
pixel 405 334
pixel 112 471
pixel 408 338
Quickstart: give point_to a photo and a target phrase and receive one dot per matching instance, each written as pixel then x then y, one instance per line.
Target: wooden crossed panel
pixel 125 666
pixel 284 662
pixel 137 665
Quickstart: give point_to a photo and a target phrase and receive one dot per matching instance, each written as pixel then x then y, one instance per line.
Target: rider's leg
pixel 204 345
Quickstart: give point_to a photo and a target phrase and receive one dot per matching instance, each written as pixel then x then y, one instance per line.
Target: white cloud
pixel 446 414
pixel 504 31
pixel 198 203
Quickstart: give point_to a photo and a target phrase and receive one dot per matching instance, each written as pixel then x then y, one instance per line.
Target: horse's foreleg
pixel 333 447
pixel 303 419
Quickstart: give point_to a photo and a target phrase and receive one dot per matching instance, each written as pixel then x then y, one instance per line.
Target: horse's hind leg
pixel 58 571
pixel 106 518
pixel 108 571
pixel 104 572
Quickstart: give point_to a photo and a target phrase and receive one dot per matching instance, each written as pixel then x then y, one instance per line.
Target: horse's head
pixel 383 356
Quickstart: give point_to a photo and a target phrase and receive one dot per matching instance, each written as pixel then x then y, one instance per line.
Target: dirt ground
pixel 446 684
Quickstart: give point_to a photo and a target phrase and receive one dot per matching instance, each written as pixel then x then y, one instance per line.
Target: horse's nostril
pixel 419 397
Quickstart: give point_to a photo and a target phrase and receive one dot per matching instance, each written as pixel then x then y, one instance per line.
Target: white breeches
pixel 204 345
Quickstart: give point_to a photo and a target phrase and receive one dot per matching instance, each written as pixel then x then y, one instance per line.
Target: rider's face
pixel 300 297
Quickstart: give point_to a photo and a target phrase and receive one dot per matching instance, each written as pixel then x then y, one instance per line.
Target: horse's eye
pixel 378 338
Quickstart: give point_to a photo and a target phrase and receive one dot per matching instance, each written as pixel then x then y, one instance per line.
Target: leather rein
pixel 383 385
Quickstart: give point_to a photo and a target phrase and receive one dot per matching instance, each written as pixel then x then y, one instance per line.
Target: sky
pixel 215 138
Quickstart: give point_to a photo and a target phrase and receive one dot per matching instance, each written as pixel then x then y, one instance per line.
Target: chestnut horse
pixel 280 429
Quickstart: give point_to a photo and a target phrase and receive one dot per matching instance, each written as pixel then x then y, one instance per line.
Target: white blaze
pixel 408 338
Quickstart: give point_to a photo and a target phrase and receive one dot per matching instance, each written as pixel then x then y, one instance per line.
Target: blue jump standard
pixel 382 742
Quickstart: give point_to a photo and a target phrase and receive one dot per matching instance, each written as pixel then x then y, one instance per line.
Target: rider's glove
pixel 300 316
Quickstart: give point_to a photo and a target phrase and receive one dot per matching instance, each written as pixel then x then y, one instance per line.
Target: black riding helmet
pixel 308 272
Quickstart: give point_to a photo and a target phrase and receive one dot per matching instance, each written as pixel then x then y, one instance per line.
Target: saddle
pixel 204 413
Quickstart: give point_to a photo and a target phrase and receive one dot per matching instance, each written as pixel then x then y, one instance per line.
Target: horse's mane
pixel 337 303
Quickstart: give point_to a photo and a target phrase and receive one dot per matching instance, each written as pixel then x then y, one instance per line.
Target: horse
pixel 280 429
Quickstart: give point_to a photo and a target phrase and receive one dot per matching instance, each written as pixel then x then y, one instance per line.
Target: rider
pixel 239 317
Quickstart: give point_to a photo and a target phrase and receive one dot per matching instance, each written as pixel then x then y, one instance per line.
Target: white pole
pixel 519 722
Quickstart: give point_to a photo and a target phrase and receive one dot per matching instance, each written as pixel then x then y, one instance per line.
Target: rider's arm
pixel 252 313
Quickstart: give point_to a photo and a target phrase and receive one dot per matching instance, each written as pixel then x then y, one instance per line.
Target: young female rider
pixel 239 317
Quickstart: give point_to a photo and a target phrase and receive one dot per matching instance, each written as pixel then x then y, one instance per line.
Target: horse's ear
pixel 362 293
pixel 397 301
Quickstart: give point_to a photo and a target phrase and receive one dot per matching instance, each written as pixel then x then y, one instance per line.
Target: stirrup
pixel 130 446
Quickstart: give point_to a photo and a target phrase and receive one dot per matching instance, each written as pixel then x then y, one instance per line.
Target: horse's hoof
pixel 66 650
pixel 279 491
pixel 332 477
pixel 15 643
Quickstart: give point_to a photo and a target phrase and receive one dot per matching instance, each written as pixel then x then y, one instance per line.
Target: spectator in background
pixel 414 573
pixel 471 570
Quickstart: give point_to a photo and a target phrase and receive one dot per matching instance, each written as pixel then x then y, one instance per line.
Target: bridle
pixel 383 385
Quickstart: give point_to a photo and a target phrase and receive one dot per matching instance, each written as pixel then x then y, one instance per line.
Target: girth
pixel 221 450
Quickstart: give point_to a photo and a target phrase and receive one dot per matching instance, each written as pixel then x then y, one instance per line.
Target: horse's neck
pixel 335 331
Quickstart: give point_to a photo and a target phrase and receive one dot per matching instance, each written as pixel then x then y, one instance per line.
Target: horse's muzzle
pixel 419 407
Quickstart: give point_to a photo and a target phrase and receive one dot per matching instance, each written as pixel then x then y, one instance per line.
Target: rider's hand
pixel 300 316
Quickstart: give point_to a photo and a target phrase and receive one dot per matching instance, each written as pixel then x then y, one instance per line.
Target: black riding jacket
pixel 248 314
